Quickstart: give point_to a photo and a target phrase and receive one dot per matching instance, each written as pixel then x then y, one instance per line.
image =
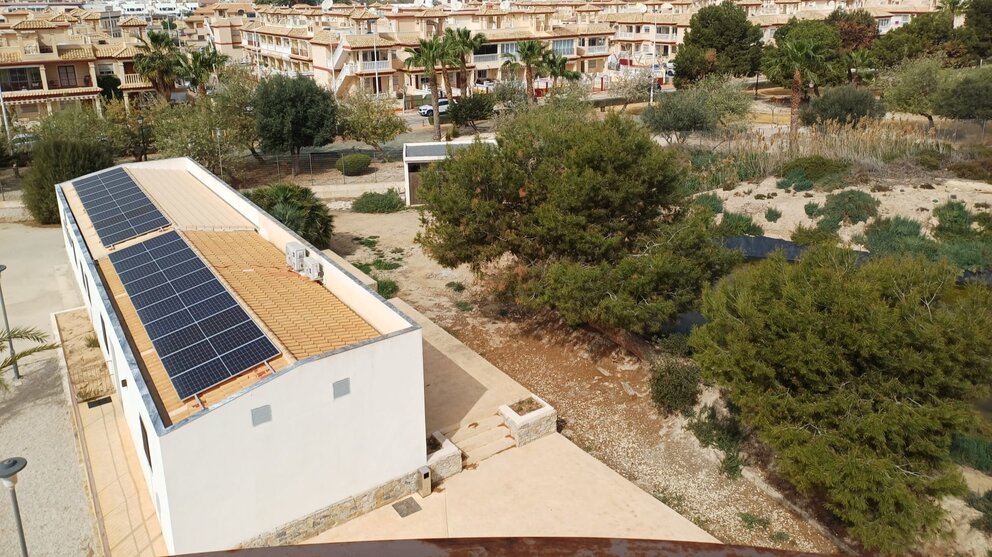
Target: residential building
pixel 261 383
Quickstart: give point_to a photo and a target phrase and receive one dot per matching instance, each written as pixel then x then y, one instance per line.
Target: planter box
pixel 531 426
pixel 446 461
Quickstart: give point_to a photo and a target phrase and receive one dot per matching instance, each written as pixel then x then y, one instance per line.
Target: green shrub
pixel 972 451
pixel 363 267
pixel 897 236
pixel 736 224
pixel 675 344
pixel 772 214
pixel 675 385
pixel 811 208
pixel 845 104
pixel 724 433
pixel 796 180
pixel 386 288
pixel 462 305
pixel 811 235
pixel 973 170
pixel 385 264
pixel 751 165
pixel 374 202
pixel 983 504
pixel 752 521
pixel 469 110
pixel 711 201
pixel 353 165
pixel 456 286
pixel 930 159
pixel 953 220
pixel 298 208
pixel 816 168
pixel 851 206
pixel 57 161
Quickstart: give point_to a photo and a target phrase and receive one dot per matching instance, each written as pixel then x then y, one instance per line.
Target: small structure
pixel 417 156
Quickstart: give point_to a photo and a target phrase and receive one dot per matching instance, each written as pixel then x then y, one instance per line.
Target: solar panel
pixel 199 331
pixel 117 207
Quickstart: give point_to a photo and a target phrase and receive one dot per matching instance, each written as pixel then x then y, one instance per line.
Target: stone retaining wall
pixel 446 461
pixel 531 426
pixel 309 526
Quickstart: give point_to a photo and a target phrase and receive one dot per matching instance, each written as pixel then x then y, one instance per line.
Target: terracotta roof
pixel 62 18
pixel 304 316
pixel 131 21
pixel 591 29
pixel 80 52
pixel 92 16
pixel 432 13
pixel 512 34
pixel 369 41
pixel 363 15
pixel 587 8
pixel 34 24
pixel 486 10
pixel 324 38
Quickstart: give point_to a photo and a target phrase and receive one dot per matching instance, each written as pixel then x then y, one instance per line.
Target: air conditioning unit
pixel 295 253
pixel 312 268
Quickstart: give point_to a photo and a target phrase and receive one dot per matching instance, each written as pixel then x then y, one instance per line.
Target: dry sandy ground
pixel 914 199
pixel 84 358
pixel 589 381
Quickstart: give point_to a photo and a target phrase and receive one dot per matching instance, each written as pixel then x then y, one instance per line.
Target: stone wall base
pixel 324 519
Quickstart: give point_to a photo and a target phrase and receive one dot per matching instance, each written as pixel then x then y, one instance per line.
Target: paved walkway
pixel 127 513
pixel 547 488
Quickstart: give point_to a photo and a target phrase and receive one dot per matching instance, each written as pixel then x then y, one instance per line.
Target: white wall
pixel 230 480
pixel 134 397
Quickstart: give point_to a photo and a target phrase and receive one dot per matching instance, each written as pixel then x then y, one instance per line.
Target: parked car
pixel 428 110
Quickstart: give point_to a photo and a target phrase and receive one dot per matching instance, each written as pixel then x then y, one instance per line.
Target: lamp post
pixel 6 329
pixel 141 132
pixel 8 476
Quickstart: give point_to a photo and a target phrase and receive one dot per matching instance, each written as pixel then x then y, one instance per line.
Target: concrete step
pixel 489 450
pixel 483 438
pixel 462 432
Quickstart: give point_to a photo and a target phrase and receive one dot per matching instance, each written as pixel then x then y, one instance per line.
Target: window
pixel 67 76
pixel 20 79
pixel 508 48
pixel 103 328
pixel 144 443
pixel 564 47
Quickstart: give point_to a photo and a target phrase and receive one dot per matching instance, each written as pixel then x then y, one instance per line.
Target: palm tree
pixel 557 67
pixel 859 66
pixel 429 55
pixel 199 66
pixel 805 61
pixel 21 333
pixel 953 7
pixel 529 56
pixel 159 62
pixel 463 42
pixel 298 208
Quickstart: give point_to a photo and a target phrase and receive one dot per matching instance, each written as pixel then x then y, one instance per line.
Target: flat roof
pixel 301 317
pixel 434 151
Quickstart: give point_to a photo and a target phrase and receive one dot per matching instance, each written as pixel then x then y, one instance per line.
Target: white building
pixel 331 422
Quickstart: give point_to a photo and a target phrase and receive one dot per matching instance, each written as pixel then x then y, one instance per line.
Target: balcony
pixel 485 58
pixel 628 35
pixel 668 37
pixel 596 49
pixel 374 66
pixel 135 80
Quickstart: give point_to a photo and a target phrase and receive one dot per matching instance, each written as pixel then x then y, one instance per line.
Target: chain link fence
pixel 318 170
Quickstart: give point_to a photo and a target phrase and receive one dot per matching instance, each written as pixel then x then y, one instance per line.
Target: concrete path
pixel 34 415
pixel 547 488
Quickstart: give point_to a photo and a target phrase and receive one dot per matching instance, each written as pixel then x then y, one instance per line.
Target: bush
pixel 772 214
pixel 811 235
pixel 811 208
pixel 675 385
pixel 353 165
pixel 386 288
pixel 675 344
pixel 298 208
pixel 796 180
pixel 816 168
pixel 57 161
pixel 844 104
pixel 469 110
pixel 736 224
pixel 953 220
pixel 930 159
pixel 711 201
pixel 851 206
pixel 983 504
pixel 724 433
pixel 897 236
pixel 975 452
pixel 374 202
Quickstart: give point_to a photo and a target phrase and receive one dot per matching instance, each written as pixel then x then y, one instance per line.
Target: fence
pixel 318 171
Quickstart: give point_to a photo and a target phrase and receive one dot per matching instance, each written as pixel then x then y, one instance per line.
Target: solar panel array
pixel 201 334
pixel 117 207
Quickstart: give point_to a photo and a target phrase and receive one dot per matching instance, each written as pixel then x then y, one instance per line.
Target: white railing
pixel 344 73
pixel 338 52
pixel 665 37
pixel 627 34
pixel 135 79
pixel 483 58
pixel 597 49
pixel 372 66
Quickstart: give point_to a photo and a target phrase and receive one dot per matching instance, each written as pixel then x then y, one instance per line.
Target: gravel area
pixel 34 414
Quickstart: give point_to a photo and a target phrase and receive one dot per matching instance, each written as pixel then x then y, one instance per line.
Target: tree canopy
pixel 968 97
pixel 292 113
pixel 857 28
pixel 913 86
pixel 831 66
pixel 721 40
pixel 857 375
pixel 55 161
pixel 370 119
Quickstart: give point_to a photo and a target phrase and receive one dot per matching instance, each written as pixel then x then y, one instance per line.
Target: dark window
pixel 67 76
pixel 144 443
pixel 20 79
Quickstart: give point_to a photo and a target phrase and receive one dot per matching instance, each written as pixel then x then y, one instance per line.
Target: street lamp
pixel 6 329
pixel 141 131
pixel 8 475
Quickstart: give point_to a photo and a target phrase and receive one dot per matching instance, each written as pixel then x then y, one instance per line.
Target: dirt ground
pixel 913 198
pixel 601 392
pixel 83 356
